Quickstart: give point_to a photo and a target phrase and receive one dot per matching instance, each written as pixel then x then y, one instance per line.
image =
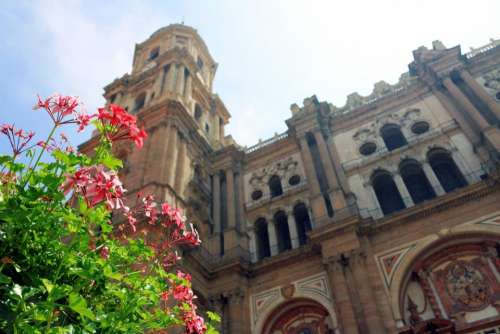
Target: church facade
pixel 381 216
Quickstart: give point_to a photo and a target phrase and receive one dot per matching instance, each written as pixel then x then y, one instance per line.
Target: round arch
pixel 297 316
pixel 429 246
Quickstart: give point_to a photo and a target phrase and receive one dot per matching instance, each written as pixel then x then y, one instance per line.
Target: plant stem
pixel 40 155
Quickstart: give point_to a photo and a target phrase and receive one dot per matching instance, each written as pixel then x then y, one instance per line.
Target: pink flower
pixel 97 185
pixel 194 323
pixel 164 295
pixel 104 252
pixel 182 293
pixel 123 125
pixel 83 120
pixel 18 138
pixel 62 110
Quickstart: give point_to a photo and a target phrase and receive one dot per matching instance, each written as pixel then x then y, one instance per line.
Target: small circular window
pixel 367 148
pixel 294 180
pixel 420 127
pixel 256 195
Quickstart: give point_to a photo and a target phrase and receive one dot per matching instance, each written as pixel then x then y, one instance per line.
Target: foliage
pixel 65 265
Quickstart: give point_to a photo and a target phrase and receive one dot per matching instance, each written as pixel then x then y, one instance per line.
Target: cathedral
pixel 379 216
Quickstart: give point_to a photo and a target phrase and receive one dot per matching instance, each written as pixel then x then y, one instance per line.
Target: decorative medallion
pixel 287 291
pixel 467 286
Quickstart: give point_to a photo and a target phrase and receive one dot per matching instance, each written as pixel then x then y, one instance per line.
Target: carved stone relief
pixel 492 83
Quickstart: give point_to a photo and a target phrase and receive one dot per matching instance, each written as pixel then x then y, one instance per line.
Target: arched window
pixel 393 137
pixel 197 112
pixel 301 216
pixel 446 170
pixel 415 180
pixel 275 186
pixel 139 102
pixel 282 231
pixel 263 249
pixel 387 193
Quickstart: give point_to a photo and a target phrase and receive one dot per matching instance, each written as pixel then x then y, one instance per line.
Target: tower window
pixel 154 53
pixel 197 112
pixel 112 98
pixel 275 186
pixel 139 102
pixel 303 222
pixel 387 193
pixel 282 231
pixel 446 170
pixel 420 127
pixel 393 137
pixel 199 63
pixel 367 148
pixel 263 249
pixel 415 180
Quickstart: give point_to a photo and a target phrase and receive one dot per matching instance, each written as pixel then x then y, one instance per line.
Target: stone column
pixel 273 241
pixel 433 179
pixel 366 296
pixel 253 244
pixel 309 167
pixel 240 221
pixel 462 167
pixel 179 84
pixel 481 93
pixel 292 227
pixel 172 155
pixel 231 221
pixel 342 298
pixel 459 117
pixel 169 83
pixel 334 154
pixel 235 300
pixel 326 161
pixel 403 190
pixel 181 166
pixel 464 101
pixel 216 202
pixel 337 196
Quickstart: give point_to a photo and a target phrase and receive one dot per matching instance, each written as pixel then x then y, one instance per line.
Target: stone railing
pixel 474 52
pixel 266 142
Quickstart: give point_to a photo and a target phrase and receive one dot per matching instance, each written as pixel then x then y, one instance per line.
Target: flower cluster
pixel 181 291
pixel 93 180
pixel 96 185
pixel 63 110
pixel 18 138
pixel 120 125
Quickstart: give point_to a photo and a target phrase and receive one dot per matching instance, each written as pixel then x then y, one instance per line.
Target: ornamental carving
pixel 284 169
pixel 467 286
pixel 492 82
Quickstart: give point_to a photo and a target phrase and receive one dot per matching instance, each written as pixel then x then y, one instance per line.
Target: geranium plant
pixel 71 260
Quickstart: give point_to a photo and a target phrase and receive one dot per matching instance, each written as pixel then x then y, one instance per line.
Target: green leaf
pixel 213 316
pixel 4 279
pixel 78 304
pixel 48 285
pixel 111 162
pixel 108 272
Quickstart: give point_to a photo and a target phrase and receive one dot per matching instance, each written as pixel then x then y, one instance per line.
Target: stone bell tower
pixel 170 91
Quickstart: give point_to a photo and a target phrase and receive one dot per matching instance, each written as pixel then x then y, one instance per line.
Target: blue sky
pixel 271 53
